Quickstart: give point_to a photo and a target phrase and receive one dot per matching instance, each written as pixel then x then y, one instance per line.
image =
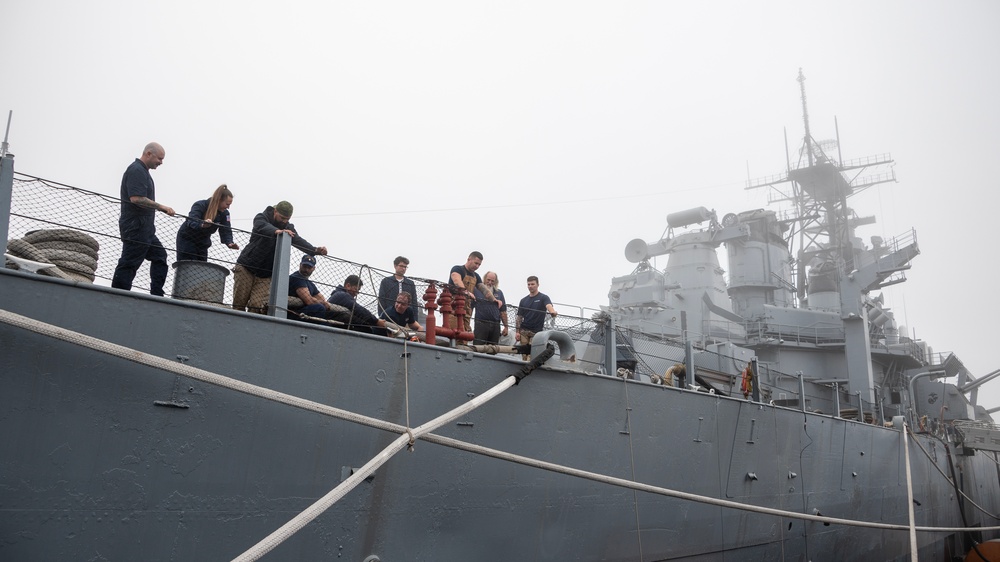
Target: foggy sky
pixel 545 135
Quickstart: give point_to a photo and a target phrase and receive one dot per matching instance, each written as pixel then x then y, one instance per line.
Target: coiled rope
pixel 139 357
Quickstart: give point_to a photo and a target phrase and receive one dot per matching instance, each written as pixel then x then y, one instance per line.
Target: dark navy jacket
pixel 361 314
pixel 194 234
pixel 258 255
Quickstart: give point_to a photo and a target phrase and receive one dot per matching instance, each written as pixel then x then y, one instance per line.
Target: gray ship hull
pixel 105 459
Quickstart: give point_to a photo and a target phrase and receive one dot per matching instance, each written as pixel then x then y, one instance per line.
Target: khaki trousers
pixel 249 291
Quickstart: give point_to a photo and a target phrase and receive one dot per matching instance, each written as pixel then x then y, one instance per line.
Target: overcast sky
pixel 544 134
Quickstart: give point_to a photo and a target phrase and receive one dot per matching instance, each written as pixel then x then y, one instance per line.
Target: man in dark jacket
pixel 252 274
pixel 398 283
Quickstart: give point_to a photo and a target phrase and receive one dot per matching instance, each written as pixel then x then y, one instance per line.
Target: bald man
pixel 136 223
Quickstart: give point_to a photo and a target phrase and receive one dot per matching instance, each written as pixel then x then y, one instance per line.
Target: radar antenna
pixel 821 225
pixel 805 116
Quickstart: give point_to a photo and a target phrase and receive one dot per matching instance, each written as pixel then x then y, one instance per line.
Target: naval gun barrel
pixel 979 382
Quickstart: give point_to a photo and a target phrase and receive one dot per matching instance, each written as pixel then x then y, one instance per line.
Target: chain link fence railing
pixel 77 230
pixel 80 232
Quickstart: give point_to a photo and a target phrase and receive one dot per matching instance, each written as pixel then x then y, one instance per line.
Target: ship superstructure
pixel 801 294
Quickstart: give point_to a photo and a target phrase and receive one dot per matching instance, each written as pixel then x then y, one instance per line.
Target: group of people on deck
pixel 397 296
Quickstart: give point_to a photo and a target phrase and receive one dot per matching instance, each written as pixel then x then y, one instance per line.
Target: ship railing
pixel 907 347
pixel 771 333
pixel 865 182
pixel 901 241
pixel 40 204
pixel 854 407
pixel 865 161
pixel 766 180
pixel 854 163
pixel 762 331
pixel 837 400
pixel 936 358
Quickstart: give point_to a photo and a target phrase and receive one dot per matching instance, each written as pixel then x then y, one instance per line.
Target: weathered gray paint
pixel 278 296
pixel 92 468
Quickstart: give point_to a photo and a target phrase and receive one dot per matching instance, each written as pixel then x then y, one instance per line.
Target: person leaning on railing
pixel 252 274
pixel 531 313
pixel 194 237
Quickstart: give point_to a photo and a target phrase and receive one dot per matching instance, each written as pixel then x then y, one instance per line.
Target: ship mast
pixel 828 257
pixel 805 116
pixel 821 228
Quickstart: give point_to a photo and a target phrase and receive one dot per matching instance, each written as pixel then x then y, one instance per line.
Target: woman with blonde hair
pixel 206 216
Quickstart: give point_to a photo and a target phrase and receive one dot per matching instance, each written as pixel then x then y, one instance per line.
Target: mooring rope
pixel 182 369
pixel 406 389
pixel 909 493
pixel 316 509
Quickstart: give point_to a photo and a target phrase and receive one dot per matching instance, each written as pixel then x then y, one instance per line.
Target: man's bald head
pixel 152 155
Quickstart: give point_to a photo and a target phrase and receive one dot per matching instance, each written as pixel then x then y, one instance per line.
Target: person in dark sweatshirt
pixel 252 274
pixel 207 216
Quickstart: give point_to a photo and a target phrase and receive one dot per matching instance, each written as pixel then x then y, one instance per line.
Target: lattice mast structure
pixel 821 225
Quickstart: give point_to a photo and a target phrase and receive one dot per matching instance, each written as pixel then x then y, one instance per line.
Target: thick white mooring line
pixel 174 367
pixel 316 509
pixel 909 493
